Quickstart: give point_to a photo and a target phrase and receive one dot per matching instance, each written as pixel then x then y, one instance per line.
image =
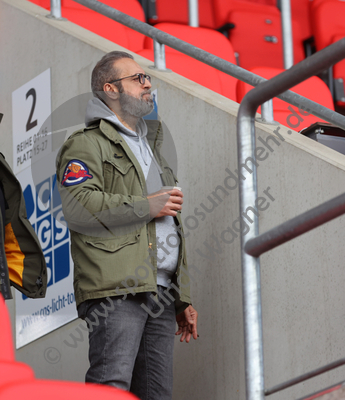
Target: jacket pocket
pixel 113 244
pixel 116 171
pixel 121 164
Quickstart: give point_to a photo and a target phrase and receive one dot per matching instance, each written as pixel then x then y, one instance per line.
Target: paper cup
pixel 171 188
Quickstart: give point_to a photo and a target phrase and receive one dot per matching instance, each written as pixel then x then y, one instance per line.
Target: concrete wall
pixel 302 282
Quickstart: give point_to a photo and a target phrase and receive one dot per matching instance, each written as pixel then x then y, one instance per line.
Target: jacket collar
pixel 154 133
pixel 109 131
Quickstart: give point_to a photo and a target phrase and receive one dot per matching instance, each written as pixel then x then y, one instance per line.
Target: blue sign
pixel 46 216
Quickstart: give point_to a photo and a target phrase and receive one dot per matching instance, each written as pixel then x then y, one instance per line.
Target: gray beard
pixel 136 107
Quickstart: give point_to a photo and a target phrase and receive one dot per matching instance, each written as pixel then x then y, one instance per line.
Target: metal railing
pixel 193 13
pixel 253 244
pixel 287 33
pixel 55 9
pixel 163 38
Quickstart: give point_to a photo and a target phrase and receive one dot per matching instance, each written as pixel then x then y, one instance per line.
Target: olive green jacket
pixel 22 262
pixel 113 239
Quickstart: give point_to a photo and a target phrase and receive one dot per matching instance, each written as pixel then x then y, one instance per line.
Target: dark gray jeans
pixel 131 347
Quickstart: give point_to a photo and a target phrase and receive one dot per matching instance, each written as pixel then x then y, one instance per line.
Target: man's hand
pixel 187 324
pixel 165 202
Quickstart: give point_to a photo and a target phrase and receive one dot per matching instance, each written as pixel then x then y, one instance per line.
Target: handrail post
pixel 287 33
pixel 193 9
pixel 55 9
pixel 248 196
pixel 267 112
pixel 159 54
pixel 250 267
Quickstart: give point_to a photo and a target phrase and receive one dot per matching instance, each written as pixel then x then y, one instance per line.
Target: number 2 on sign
pixel 31 124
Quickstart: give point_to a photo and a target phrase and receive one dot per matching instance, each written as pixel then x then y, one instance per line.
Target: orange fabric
pixel 15 257
pixel 313 88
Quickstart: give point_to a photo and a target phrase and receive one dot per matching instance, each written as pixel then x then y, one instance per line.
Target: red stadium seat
pixel 328 20
pixel 208 40
pixel 212 13
pixel 257 38
pixel 7 351
pixel 177 12
pixel 15 372
pixel 198 72
pixel 300 12
pixel 73 4
pixel 42 3
pixel 106 27
pixel 57 390
pixel 98 24
pixel 10 370
pixel 328 24
pixel 266 2
pixel 102 25
pixel 222 8
pixel 313 88
pixel 315 2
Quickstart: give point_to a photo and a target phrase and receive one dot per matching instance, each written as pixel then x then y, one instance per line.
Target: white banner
pixel 31 107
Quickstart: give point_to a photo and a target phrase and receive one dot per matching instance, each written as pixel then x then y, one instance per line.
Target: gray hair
pixel 105 71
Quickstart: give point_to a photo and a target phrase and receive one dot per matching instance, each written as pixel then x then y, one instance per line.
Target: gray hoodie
pixel 167 255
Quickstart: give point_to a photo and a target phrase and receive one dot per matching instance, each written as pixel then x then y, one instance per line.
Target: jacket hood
pixel 97 110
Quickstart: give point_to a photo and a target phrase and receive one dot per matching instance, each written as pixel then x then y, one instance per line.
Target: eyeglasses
pixel 140 78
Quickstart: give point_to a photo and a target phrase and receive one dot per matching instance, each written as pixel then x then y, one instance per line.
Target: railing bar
pixel 159 55
pixel 213 61
pixel 296 226
pixel 305 377
pixel 248 195
pixel 267 114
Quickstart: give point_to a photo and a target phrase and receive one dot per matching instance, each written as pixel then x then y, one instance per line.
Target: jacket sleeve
pixel 87 208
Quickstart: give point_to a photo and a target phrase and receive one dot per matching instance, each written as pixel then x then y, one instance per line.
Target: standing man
pixel 130 274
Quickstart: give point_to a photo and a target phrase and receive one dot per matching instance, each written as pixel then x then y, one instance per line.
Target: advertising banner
pixel 34 168
pixel 37 317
